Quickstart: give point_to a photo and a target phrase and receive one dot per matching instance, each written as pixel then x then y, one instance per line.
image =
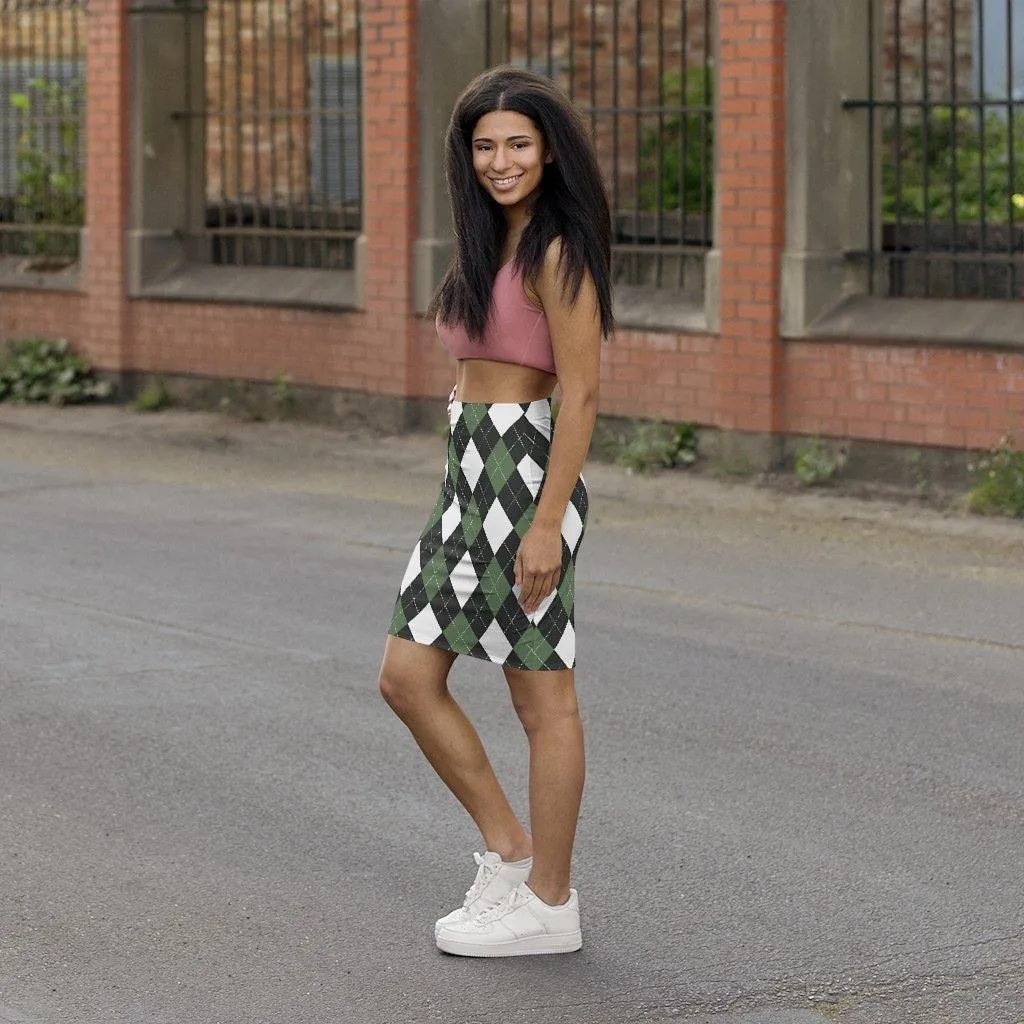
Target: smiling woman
pixel 523 308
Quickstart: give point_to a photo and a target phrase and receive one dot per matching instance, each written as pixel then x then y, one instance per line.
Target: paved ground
pixel 806 788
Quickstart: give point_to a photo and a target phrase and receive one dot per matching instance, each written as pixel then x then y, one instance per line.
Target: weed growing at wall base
pixel 999 482
pixel 647 446
pixel 39 370
pixel 817 462
pixel 152 398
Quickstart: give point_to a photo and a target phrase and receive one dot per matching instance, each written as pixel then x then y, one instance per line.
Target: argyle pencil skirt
pixel 458 590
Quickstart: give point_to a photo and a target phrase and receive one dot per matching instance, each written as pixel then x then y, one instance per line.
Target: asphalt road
pixel 805 798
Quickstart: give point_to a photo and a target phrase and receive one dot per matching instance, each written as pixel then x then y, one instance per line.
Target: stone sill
pixel 16 275
pixel 658 309
pixel 971 323
pixel 259 286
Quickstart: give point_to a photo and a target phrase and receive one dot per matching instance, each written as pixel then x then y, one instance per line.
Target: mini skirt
pixel 458 592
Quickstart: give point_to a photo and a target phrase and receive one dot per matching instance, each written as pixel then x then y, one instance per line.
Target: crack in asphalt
pixel 956 947
pixel 678 597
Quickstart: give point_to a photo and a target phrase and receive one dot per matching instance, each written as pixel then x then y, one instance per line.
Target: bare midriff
pixel 484 380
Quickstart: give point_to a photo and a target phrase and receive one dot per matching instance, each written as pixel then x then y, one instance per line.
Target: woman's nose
pixel 501 159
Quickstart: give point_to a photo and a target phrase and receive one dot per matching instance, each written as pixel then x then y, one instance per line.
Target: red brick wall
pixel 368 351
pixel 913 395
pixel 671 376
pixel 751 190
pixel 106 320
pixel 744 377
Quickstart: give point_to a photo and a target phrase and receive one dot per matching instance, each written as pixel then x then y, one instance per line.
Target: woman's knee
pixel 409 683
pixel 538 707
pixel 394 688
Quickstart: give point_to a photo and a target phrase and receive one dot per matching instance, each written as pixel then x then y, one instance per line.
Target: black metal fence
pixel 42 101
pixel 283 128
pixel 641 71
pixel 945 158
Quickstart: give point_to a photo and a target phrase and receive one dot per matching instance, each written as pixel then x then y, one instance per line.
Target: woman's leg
pixel 414 682
pixel 547 707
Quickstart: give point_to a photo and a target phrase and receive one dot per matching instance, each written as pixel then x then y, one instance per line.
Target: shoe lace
pixel 515 898
pixel 483 878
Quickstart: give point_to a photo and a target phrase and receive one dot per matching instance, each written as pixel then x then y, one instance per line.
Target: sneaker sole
pixel 534 945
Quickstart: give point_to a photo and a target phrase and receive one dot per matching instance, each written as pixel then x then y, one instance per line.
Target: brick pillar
pixel 390 187
pixel 105 327
pixel 750 134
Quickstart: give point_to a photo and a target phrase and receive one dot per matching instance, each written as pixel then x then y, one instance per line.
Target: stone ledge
pixel 16 275
pixel 973 323
pixel 262 286
pixel 658 309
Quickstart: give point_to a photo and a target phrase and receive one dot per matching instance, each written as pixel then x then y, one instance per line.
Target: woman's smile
pixel 506 183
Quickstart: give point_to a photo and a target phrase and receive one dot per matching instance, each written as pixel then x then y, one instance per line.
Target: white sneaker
pixel 494 881
pixel 522 924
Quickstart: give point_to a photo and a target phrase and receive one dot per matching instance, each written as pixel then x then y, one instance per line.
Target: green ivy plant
pixel 49 180
pixel 39 370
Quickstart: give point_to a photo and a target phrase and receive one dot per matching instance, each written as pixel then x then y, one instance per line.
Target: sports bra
pixel 516 332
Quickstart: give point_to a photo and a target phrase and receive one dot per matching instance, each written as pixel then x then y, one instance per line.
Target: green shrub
pixel 967 165
pixel 49 182
pixel 38 370
pixel 999 482
pixel 965 160
pixel 684 142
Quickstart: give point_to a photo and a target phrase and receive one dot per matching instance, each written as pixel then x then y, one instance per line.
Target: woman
pixel 523 307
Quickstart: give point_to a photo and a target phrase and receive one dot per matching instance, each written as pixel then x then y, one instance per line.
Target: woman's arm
pixel 576 338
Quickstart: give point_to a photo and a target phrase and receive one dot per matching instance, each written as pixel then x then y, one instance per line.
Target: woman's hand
pixel 538 565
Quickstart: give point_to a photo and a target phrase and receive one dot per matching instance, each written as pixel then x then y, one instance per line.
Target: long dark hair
pixel 571 203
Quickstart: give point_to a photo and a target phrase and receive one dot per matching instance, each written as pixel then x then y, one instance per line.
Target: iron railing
pixel 42 101
pixel 641 72
pixel 945 149
pixel 283 128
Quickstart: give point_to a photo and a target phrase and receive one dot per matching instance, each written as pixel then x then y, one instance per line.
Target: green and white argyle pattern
pixel 457 592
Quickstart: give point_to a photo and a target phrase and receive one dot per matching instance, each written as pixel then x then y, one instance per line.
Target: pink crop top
pixel 516 332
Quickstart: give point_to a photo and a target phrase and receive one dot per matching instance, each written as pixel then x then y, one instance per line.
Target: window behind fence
pixel 283 132
pixel 42 100
pixel 641 72
pixel 946 149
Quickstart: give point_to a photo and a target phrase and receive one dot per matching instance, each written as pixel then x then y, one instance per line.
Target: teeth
pixel 505 181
